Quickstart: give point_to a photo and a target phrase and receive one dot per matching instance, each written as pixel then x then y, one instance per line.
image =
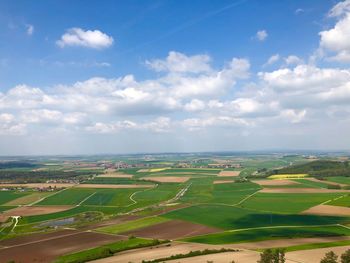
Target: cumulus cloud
pixel 89 38
pixel 178 62
pixel 293 60
pixel 336 40
pixel 261 35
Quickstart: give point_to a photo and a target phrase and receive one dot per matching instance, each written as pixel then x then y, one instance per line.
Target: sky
pixel 94 77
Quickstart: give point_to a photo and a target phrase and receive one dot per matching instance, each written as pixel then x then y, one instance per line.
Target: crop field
pixel 7 196
pixel 287 203
pixel 230 217
pixel 144 222
pixel 343 201
pixel 339 179
pixel 252 235
pixel 288 176
pixel 210 206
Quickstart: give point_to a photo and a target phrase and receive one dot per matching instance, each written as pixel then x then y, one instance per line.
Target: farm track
pixel 86 199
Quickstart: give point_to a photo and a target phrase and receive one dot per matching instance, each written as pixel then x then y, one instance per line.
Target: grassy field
pixel 105 251
pixel 252 235
pixel 7 196
pixel 204 191
pixel 139 223
pixel 344 201
pixel 286 203
pixel 104 180
pixel 229 217
pixel 70 196
pixel 339 179
pixel 313 184
pixel 111 197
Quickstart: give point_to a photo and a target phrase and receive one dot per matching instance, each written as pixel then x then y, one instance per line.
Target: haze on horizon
pixel 173 76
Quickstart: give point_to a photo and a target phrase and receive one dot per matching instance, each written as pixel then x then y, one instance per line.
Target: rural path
pixel 134 202
pixel 85 199
pixel 334 199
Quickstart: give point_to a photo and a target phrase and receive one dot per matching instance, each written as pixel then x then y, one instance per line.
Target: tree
pixel 330 257
pixel 345 257
pixel 266 256
pixel 272 256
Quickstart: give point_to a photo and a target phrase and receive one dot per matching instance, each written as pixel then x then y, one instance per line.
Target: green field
pixel 139 223
pixel 286 203
pixel 7 196
pixel 106 250
pixel 204 191
pixel 339 179
pixel 343 201
pixel 230 217
pixel 72 196
pixel 252 235
pixel 111 197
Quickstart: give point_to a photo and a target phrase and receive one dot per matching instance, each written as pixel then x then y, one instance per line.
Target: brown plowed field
pixel 173 229
pixel 229 173
pixel 314 255
pixel 274 182
pixel 32 210
pixel 115 175
pixel 137 255
pixel 167 179
pixel 300 190
pixel 48 247
pixel 330 210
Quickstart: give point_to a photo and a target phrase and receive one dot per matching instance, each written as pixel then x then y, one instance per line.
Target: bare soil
pixel 167 179
pixel 173 229
pixel 161 251
pixel 313 255
pixel 32 210
pixel 115 175
pixel 274 182
pixel 48 247
pixel 330 210
pixel 289 242
pixel 229 173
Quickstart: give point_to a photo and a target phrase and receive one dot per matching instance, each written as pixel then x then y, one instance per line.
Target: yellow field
pixel 154 170
pixel 288 176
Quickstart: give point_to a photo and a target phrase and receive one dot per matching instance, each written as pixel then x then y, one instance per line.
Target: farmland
pixel 227 201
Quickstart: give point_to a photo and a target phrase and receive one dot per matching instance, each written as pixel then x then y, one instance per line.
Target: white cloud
pixel 30 29
pixel 89 38
pixel 178 62
pixel 195 105
pixel 335 42
pixel 340 9
pixel 261 35
pixel 272 60
pixel 293 60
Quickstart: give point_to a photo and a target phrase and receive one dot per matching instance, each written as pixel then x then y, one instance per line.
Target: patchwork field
pixel 198 208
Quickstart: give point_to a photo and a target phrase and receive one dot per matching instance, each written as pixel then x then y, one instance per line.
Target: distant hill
pixel 16 164
pixel 319 168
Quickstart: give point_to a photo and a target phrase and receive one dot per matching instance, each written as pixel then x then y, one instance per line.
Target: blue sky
pixel 150 76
